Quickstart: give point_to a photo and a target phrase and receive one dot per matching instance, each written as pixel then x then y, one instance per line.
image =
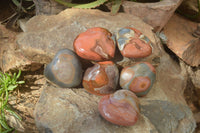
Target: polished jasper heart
pixel 95 44
pixel 138 78
pixel 121 108
pixel 65 69
pixel 102 78
pixel 132 43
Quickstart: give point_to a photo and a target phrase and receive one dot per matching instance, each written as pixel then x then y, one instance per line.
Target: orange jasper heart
pixel 121 108
pixel 95 44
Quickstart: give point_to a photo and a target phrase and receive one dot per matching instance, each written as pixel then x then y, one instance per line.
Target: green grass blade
pixel 16 3
pixel 14 76
pixel 18 75
pixel 30 7
pixel 14 114
pixel 116 6
pixel 9 110
pixel 83 6
pixel 7 83
pixel 4 124
pixel 6 100
pixel 12 87
pixel 1 80
pixel 8 130
pixel 20 82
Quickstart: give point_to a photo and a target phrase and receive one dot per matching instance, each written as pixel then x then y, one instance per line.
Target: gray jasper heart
pixel 65 70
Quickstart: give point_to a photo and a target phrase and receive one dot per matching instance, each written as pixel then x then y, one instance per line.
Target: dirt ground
pixel 24 98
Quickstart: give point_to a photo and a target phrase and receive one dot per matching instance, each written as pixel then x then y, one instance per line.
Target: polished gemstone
pixel 65 69
pixel 102 78
pixel 133 44
pixel 121 108
pixel 138 78
pixel 95 44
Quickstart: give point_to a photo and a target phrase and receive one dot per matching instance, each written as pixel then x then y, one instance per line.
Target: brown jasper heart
pixel 102 78
pixel 121 108
pixel 95 44
pixel 133 44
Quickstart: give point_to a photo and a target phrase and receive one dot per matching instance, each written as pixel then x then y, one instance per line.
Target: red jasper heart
pixel 95 44
pixel 133 44
pixel 121 108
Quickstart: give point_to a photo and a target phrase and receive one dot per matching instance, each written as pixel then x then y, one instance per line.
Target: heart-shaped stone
pixel 138 78
pixel 132 43
pixel 95 44
pixel 121 108
pixel 65 69
pixel 102 78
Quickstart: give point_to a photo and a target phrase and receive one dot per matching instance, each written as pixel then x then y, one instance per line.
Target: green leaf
pixel 8 130
pixel 4 124
pixel 6 99
pixel 14 76
pixel 1 80
pixel 16 3
pixel 8 83
pixel 12 87
pixel 30 7
pixel 29 0
pixel 4 77
pixel 83 6
pixel 116 6
pixel 20 82
pixel 12 112
pixel 18 75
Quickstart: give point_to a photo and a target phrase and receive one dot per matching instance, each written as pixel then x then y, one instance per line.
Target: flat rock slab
pixel 48 6
pixel 75 111
pixel 12 58
pixel 45 35
pixel 163 110
pixel 156 14
pixel 180 40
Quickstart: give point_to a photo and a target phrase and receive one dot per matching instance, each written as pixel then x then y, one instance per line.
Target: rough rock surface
pixel 181 41
pixel 194 74
pixel 45 35
pixel 155 14
pixel 186 48
pixel 75 111
pixel 48 6
pixel 163 110
pixel 10 57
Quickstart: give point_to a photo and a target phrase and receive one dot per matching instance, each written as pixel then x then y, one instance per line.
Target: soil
pixel 24 98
